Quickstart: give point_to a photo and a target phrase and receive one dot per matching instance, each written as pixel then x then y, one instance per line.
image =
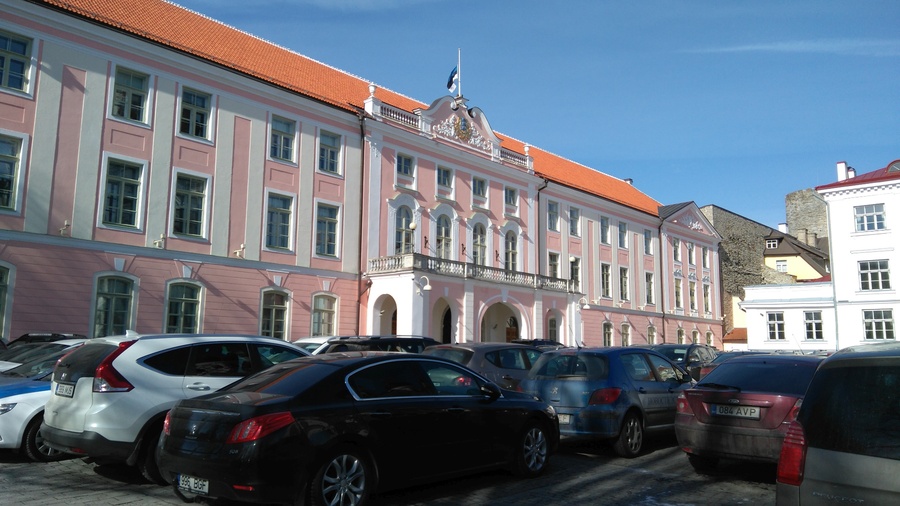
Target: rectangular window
pixel 123 190
pixel 183 314
pixel 623 235
pixel 278 221
pixel 692 294
pixel 648 242
pixel 273 319
pixel 553 216
pixel 404 165
pixel 813 320
pixel 323 315
pixel 188 212
pixel 329 152
pixel 326 230
pixel 15 61
pixel 781 265
pixel 707 301
pixel 511 197
pixel 479 187
pixel 879 324
pixel 130 95
pixel 575 273
pixel 604 230
pixel 10 152
pixel 690 254
pixel 678 295
pixel 623 283
pixel 112 313
pixel 195 113
pixel 574 222
pixel 705 259
pixel 605 281
pixel 553 265
pixel 282 141
pixel 445 177
pixel 776 326
pixel 874 275
pixel 648 287
pixel 676 249
pixel 869 217
pixel 771 243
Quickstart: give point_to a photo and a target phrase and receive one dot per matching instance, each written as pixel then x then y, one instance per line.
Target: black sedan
pixel 332 429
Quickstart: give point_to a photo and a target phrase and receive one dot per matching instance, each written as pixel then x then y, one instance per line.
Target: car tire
pixel 631 437
pixel 532 454
pixel 344 477
pixel 702 464
pixel 146 463
pixel 33 443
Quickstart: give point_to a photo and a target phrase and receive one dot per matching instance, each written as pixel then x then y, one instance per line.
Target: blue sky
pixel 731 103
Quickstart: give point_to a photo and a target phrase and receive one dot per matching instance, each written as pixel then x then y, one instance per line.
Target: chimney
pixel 629 181
pixel 782 227
pixel 841 171
pixel 812 239
pixel 802 236
pixel 851 172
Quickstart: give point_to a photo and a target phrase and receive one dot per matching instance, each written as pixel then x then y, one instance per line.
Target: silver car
pixel 844 446
pixel 506 364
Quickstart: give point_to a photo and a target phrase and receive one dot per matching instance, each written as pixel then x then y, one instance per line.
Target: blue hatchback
pixel 616 393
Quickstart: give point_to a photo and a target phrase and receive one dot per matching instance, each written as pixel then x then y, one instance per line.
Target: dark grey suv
pixel 689 356
pixel 844 446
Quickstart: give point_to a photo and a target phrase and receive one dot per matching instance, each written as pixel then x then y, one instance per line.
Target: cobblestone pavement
pixel 581 474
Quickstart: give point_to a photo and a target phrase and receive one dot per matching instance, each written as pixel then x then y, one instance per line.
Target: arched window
pixel 552 329
pixel 274 313
pixel 709 338
pixel 323 315
pixel 512 253
pixel 695 336
pixel 444 240
pixel 183 309
pixel 607 334
pixel 403 242
pixel 626 334
pixel 651 335
pixel 479 244
pixel 680 336
pixel 112 315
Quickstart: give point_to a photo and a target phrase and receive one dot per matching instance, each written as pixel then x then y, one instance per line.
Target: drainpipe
pixel 363 260
pixel 540 234
pixel 661 279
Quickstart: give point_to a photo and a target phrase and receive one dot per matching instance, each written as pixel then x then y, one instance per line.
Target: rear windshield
pixel 82 362
pixel 458 355
pixel 288 378
pixel 788 378
pixel 674 354
pixel 560 366
pixel 854 410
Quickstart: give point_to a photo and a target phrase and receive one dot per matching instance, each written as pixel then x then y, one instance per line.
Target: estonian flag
pixel 451 82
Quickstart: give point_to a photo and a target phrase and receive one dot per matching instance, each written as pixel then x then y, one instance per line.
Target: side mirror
pixel 491 391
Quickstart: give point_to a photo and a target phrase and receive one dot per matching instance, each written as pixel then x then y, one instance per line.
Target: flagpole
pixel 458 72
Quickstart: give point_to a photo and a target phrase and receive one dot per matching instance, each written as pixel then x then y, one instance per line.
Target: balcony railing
pixel 415 262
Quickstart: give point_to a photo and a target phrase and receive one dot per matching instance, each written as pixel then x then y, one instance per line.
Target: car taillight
pixel 166 429
pixel 605 396
pixel 705 370
pixel 682 405
pixel 107 378
pixel 796 409
pixel 793 456
pixel 258 427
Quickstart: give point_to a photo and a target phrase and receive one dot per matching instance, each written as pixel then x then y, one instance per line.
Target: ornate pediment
pixel 449 118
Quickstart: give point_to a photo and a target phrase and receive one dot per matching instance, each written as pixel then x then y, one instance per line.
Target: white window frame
pixel 704 252
pixel 874 272
pixel 649 288
pixel 648 241
pixel 21 163
pixel 338 164
pixel 211 123
pixel 812 321
pixel 30 61
pixel 676 249
pixel 199 315
pixel 623 235
pixel 132 297
pixel 285 313
pixel 690 253
pixel 878 324
pixel 313 331
pixel 141 197
pixel 293 136
pixel 574 222
pixel 207 204
pixel 775 326
pixel 478 200
pixel 292 223
pixel 338 220
pixel 624 284
pixel 605 237
pixel 401 169
pixel 553 264
pixel 511 200
pixel 444 177
pixel 552 216
pixel 606 280
pixel 869 218
pixel 149 90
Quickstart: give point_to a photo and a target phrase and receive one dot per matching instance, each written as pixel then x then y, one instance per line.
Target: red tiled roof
pixel 736 336
pixel 195 34
pixel 885 174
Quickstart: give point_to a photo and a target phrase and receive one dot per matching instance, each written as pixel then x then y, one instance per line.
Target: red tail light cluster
pixel 258 427
pixel 166 429
pixel 793 456
pixel 107 378
pixel 682 405
pixel 605 396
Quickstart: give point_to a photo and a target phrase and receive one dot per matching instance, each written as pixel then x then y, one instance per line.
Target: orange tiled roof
pixel 192 33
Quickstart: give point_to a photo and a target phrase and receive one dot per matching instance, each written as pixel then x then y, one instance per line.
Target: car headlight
pixel 6 407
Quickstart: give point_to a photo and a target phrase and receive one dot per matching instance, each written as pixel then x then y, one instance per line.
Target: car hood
pixel 22 386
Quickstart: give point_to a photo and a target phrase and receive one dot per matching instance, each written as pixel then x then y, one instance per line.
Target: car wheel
pixel 34 446
pixel 147 463
pixel 532 454
pixel 345 478
pixel 631 437
pixel 702 464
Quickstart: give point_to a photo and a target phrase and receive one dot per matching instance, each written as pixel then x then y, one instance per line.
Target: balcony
pixel 417 263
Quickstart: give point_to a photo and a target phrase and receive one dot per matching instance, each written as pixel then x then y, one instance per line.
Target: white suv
pixel 110 396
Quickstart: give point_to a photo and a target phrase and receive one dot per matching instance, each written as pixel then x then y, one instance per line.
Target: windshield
pixel 40 366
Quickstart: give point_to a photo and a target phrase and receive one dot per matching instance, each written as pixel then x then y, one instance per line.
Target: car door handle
pixel 457 410
pixel 642 390
pixel 199 387
pixel 506 377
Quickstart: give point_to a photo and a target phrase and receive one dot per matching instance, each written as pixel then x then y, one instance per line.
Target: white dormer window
pixel 771 243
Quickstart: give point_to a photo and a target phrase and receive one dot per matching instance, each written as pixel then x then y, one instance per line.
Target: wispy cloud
pixel 844 47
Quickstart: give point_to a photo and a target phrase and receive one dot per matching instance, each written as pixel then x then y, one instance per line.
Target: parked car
pixel 334 428
pixel 44 337
pixel 690 356
pixel 844 446
pixel 506 364
pixel 111 395
pixel 18 355
pixel 403 344
pixel 311 344
pixel 742 409
pixel 542 344
pixel 723 357
pixel 23 392
pixel 616 393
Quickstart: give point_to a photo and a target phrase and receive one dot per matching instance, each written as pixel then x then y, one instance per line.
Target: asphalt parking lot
pixel 581 474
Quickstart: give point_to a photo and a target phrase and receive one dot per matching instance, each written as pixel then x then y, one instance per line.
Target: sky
pixel 720 102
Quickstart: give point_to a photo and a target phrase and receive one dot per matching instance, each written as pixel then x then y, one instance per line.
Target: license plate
pixel 751 412
pixel 565 419
pixel 192 484
pixel 64 390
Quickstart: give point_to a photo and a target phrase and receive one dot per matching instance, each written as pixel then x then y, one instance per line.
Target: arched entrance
pixel 446 327
pixel 385 317
pixel 500 324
